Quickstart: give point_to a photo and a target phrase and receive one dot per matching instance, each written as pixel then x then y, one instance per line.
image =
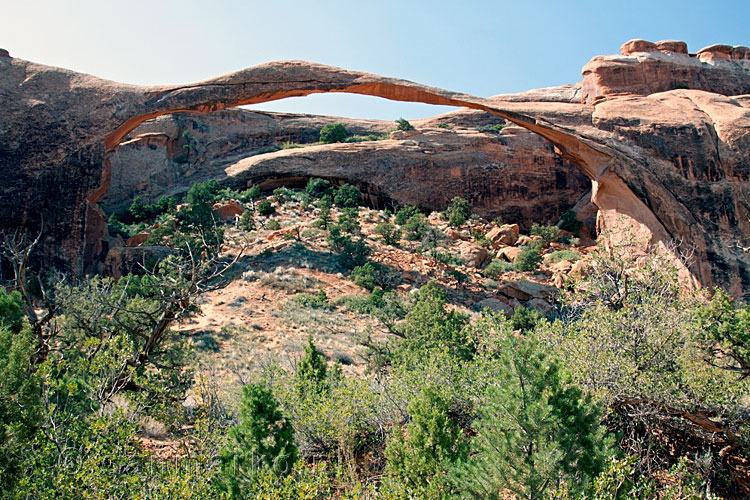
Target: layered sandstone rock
pixel 676 174
pixel 644 68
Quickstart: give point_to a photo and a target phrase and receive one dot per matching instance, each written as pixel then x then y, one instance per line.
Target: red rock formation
pixel 58 125
pixel 645 68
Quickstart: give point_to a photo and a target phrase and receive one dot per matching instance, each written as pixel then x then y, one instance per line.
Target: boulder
pixel 527 290
pixel 509 253
pixel 507 234
pixel 472 254
pixel 496 305
pixel 138 239
pixel 540 305
pixel 228 210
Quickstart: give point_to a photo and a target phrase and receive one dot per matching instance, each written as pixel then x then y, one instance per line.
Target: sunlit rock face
pixel 672 165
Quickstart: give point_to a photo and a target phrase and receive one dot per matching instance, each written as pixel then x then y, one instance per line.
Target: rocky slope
pixel 672 165
pixel 514 174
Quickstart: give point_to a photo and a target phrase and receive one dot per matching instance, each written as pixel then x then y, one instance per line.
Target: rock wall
pixel 58 125
pixel 515 174
pixel 645 68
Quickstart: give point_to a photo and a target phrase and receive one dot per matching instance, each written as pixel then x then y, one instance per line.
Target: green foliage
pixel 547 233
pixel 317 301
pixel 429 325
pixel 726 333
pixel 405 213
pixel 364 276
pixel 497 268
pixel 530 256
pixel 444 125
pixel 417 460
pixel 273 225
pixel 20 394
pixel 534 430
pixel 312 372
pixel 247 221
pixel 265 208
pixel 281 195
pixel 562 255
pixel 352 251
pixel 317 188
pixel 332 132
pixel 291 145
pixel 348 196
pixel 569 222
pixel 404 125
pixel 391 234
pixel 525 319
pixel 415 227
pixel 263 440
pixel 324 214
pixel 203 193
pixel 458 211
pixel 491 129
pixel 253 193
pixel 348 222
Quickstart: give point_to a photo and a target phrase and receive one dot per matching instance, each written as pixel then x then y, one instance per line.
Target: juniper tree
pixel 417 460
pixel 534 432
pixel 262 441
pixel 312 372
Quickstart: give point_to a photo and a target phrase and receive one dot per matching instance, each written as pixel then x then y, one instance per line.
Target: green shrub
pixel 550 433
pixel 273 225
pixel 405 213
pixel 317 188
pixel 364 276
pixel 281 195
pixel 491 129
pixel 317 301
pixel 444 125
pixel 263 439
pixel 352 252
pixel 417 460
pixel 348 196
pixel 562 255
pixel 497 268
pixel 404 125
pixel 390 233
pixel 416 227
pixel 332 132
pixel 348 222
pixel 530 256
pixel 291 145
pixel 458 211
pixel 569 222
pixel 265 208
pixel 525 319
pixel 247 221
pixel 548 233
pixel 312 372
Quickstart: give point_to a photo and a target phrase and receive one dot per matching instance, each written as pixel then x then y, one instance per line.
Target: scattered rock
pixel 507 234
pixel 473 255
pixel 228 210
pixel 496 305
pixel 509 253
pixel 540 305
pixel 456 235
pixel 527 290
pixel 138 239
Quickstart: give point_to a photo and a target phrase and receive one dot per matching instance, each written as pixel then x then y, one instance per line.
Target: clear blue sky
pixel 478 47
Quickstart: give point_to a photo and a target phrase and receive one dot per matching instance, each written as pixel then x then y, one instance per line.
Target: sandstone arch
pixel 61 124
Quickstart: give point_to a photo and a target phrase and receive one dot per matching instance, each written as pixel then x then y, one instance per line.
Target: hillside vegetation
pixel 298 345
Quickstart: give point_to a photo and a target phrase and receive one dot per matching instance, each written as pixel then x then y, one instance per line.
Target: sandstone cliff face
pixel 515 174
pixel 645 68
pixel 58 125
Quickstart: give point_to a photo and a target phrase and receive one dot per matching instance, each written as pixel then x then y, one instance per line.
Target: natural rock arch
pixel 62 124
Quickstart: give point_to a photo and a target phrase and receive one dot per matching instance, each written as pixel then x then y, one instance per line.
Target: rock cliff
pixel 514 174
pixel 671 164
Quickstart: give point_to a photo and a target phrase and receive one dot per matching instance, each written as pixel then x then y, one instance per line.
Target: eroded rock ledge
pixel 672 164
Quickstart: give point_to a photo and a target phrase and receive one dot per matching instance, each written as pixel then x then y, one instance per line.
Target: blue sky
pixel 478 47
